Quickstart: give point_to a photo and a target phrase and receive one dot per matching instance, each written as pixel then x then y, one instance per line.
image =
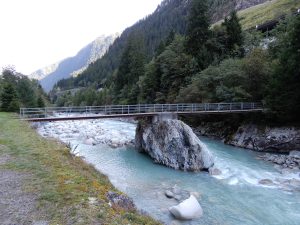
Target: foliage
pixel 234 37
pixel 131 67
pixel 17 90
pixel 198 32
pixel 284 89
pixel 233 80
pixel 9 98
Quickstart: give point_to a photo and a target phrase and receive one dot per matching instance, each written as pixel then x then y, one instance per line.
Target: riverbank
pixel 42 183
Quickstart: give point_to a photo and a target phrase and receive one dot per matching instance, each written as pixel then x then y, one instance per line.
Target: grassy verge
pixel 63 183
pixel 267 11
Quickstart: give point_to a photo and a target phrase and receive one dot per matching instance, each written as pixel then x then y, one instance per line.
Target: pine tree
pixel 198 31
pixel 130 69
pixel 284 90
pixel 234 36
pixel 40 102
pixel 9 98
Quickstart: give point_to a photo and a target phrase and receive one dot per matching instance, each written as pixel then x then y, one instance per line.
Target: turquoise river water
pixel 233 198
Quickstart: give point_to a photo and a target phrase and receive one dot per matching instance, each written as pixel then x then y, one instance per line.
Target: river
pixel 234 197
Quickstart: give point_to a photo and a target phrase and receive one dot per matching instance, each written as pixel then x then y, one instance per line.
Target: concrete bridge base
pixel 164 116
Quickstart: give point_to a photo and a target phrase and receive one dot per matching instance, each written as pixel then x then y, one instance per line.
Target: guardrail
pixel 27 113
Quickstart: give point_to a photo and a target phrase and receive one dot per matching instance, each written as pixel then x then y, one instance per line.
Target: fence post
pixel 242 106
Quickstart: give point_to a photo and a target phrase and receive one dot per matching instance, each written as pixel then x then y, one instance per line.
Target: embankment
pixel 249 133
pixel 66 190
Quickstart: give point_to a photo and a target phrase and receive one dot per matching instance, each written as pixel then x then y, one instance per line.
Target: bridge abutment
pixel 164 116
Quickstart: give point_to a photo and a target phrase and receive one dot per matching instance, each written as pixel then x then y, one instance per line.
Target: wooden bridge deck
pixel 119 111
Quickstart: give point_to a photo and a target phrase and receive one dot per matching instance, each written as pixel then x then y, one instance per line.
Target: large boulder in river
pixel 174 144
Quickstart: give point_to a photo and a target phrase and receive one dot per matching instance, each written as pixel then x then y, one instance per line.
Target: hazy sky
pixel 36 33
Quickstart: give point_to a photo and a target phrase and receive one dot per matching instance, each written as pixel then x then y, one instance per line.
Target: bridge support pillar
pixel 164 116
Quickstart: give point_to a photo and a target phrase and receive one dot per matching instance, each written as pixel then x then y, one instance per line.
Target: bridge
pixel 140 110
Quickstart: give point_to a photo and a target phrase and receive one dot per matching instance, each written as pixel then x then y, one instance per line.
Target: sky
pixel 37 33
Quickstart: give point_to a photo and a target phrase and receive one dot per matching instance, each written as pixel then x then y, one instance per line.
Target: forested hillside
pixel 192 62
pixel 17 90
pixel 171 15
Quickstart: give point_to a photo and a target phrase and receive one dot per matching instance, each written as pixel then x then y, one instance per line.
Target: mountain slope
pixel 270 10
pixel 71 66
pixel 42 73
pixel 170 15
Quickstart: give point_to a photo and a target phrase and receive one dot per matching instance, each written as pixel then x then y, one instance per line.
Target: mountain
pixel 42 73
pixel 170 15
pixel 72 66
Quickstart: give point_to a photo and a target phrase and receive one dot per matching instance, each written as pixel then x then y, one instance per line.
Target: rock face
pixel 276 139
pixel 251 136
pixel 173 143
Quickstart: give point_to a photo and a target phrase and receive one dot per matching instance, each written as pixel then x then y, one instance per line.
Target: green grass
pixel 265 12
pixel 62 182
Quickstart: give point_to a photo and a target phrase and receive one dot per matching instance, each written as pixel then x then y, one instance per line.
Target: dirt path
pixel 16 206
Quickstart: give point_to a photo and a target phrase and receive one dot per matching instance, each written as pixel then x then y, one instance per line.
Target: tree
pixel 26 92
pixel 40 102
pixel 284 89
pixel 130 69
pixel 9 98
pixel 198 32
pixel 257 69
pixel 150 82
pixel 176 68
pixel 234 36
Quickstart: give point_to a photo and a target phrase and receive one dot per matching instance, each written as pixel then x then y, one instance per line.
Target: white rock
pixel 89 141
pixel 187 210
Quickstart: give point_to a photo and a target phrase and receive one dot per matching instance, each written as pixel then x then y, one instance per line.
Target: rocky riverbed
pixel 288 162
pixel 92 132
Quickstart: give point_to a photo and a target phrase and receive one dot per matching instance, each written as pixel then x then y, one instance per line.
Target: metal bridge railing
pixel 137 109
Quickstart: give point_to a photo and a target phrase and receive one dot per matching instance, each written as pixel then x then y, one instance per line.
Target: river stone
pixel 266 182
pixel 214 171
pixel 174 144
pixel 295 154
pixel 89 141
pixel 169 194
pixel 187 210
